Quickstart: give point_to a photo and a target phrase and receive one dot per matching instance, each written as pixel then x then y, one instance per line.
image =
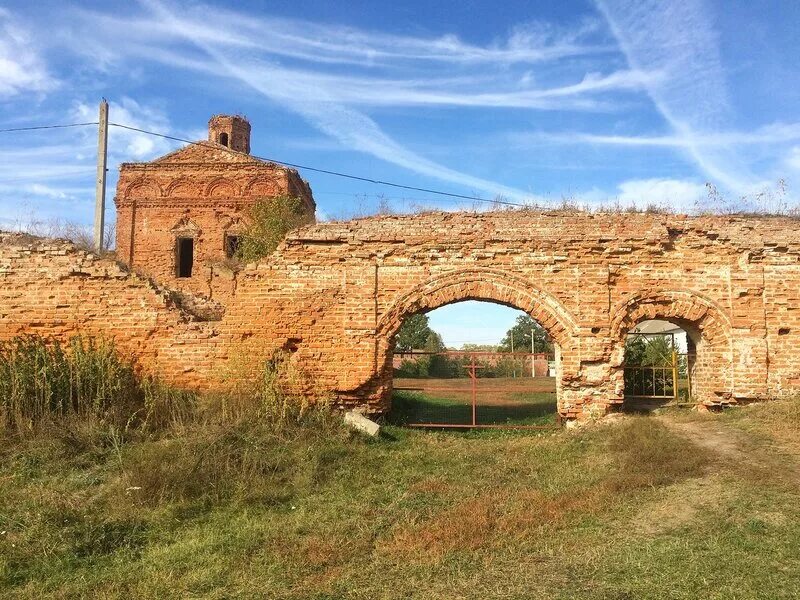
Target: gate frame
pixel 675 397
pixel 471 369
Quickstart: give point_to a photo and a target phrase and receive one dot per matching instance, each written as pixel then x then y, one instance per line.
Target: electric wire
pixel 38 127
pixel 497 201
pixel 328 171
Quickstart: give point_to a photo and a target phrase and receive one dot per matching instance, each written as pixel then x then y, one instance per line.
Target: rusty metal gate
pixel 663 377
pixel 480 390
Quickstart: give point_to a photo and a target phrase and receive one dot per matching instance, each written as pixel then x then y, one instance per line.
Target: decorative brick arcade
pixel 334 294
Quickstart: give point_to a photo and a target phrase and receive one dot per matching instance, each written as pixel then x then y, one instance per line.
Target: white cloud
pixel 677 39
pixel 22 69
pixel 324 43
pixel 792 159
pixel 246 48
pixel 677 194
pixel 768 135
pixel 124 144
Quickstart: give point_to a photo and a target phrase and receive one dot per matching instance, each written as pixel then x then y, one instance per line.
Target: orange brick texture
pixel 201 192
pixel 334 295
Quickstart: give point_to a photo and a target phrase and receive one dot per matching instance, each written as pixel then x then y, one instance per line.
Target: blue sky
pixel 601 102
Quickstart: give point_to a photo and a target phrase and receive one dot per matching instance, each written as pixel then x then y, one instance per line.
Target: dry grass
pixel 258 502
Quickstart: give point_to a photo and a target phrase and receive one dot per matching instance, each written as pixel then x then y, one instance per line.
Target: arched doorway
pixel 480 285
pixel 473 364
pixel 659 359
pixel 678 343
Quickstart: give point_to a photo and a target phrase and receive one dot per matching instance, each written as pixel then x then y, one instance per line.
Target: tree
pixel 521 331
pixel 270 220
pixel 414 333
pixel 479 348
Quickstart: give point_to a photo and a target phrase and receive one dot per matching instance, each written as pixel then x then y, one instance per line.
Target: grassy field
pixel 678 505
pixel 500 400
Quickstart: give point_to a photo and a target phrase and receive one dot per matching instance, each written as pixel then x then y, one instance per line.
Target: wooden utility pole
pixel 100 189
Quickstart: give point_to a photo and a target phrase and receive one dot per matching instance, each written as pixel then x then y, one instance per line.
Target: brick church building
pixel 179 217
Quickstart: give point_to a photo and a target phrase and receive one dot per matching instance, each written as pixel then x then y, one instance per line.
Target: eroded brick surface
pixel 200 192
pixel 334 294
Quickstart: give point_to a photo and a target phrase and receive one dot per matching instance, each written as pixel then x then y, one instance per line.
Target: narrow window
pixel 185 249
pixel 223 139
pixel 231 245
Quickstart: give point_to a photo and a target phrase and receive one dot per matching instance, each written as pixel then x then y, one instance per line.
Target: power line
pixel 327 171
pixel 280 162
pixel 37 127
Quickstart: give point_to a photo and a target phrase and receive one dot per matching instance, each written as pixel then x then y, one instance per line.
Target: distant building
pixel 180 216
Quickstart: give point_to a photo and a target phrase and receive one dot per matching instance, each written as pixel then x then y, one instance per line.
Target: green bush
pixel 270 220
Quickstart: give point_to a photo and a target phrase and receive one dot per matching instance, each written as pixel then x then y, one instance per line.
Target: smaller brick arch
pixel 682 307
pixel 221 187
pixel 262 186
pixel 182 188
pixel 487 285
pixel 706 324
pixel 143 188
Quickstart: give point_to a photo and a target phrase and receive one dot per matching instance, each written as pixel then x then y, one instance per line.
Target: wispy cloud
pixel 316 42
pixel 384 70
pixel 21 67
pixel 52 174
pixel 127 145
pixel 677 39
pixel 770 134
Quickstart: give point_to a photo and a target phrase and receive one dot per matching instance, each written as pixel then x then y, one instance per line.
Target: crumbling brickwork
pixel 334 295
pixel 200 193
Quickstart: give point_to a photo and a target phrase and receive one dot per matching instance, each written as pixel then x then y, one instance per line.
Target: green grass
pixel 521 408
pixel 631 510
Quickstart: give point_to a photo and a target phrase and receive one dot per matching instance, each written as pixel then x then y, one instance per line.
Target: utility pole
pixel 533 354
pixel 100 189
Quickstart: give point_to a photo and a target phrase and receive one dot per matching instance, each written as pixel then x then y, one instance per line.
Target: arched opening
pixel 223 139
pixel 660 360
pixel 649 329
pixel 473 363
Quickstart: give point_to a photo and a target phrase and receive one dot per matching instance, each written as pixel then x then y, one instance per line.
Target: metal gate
pixel 663 377
pixel 480 390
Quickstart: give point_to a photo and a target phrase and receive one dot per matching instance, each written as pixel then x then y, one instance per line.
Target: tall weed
pixel 42 379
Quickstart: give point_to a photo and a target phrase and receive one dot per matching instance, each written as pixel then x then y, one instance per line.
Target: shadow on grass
pixel 523 408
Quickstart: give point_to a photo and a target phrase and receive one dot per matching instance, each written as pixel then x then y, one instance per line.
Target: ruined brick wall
pixel 51 288
pixel 340 291
pixel 334 294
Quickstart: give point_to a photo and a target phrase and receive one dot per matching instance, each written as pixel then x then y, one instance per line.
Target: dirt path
pixel 737 450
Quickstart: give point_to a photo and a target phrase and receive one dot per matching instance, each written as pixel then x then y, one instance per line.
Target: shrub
pixel 42 379
pixel 270 220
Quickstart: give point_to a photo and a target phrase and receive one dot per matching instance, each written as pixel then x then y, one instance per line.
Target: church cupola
pixel 231 131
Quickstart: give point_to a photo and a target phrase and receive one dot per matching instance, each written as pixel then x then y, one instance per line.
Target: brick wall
pixel 334 294
pixel 200 192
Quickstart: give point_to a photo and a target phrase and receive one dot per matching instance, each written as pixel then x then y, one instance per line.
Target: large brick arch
pixel 705 322
pixel 337 292
pixel 482 284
